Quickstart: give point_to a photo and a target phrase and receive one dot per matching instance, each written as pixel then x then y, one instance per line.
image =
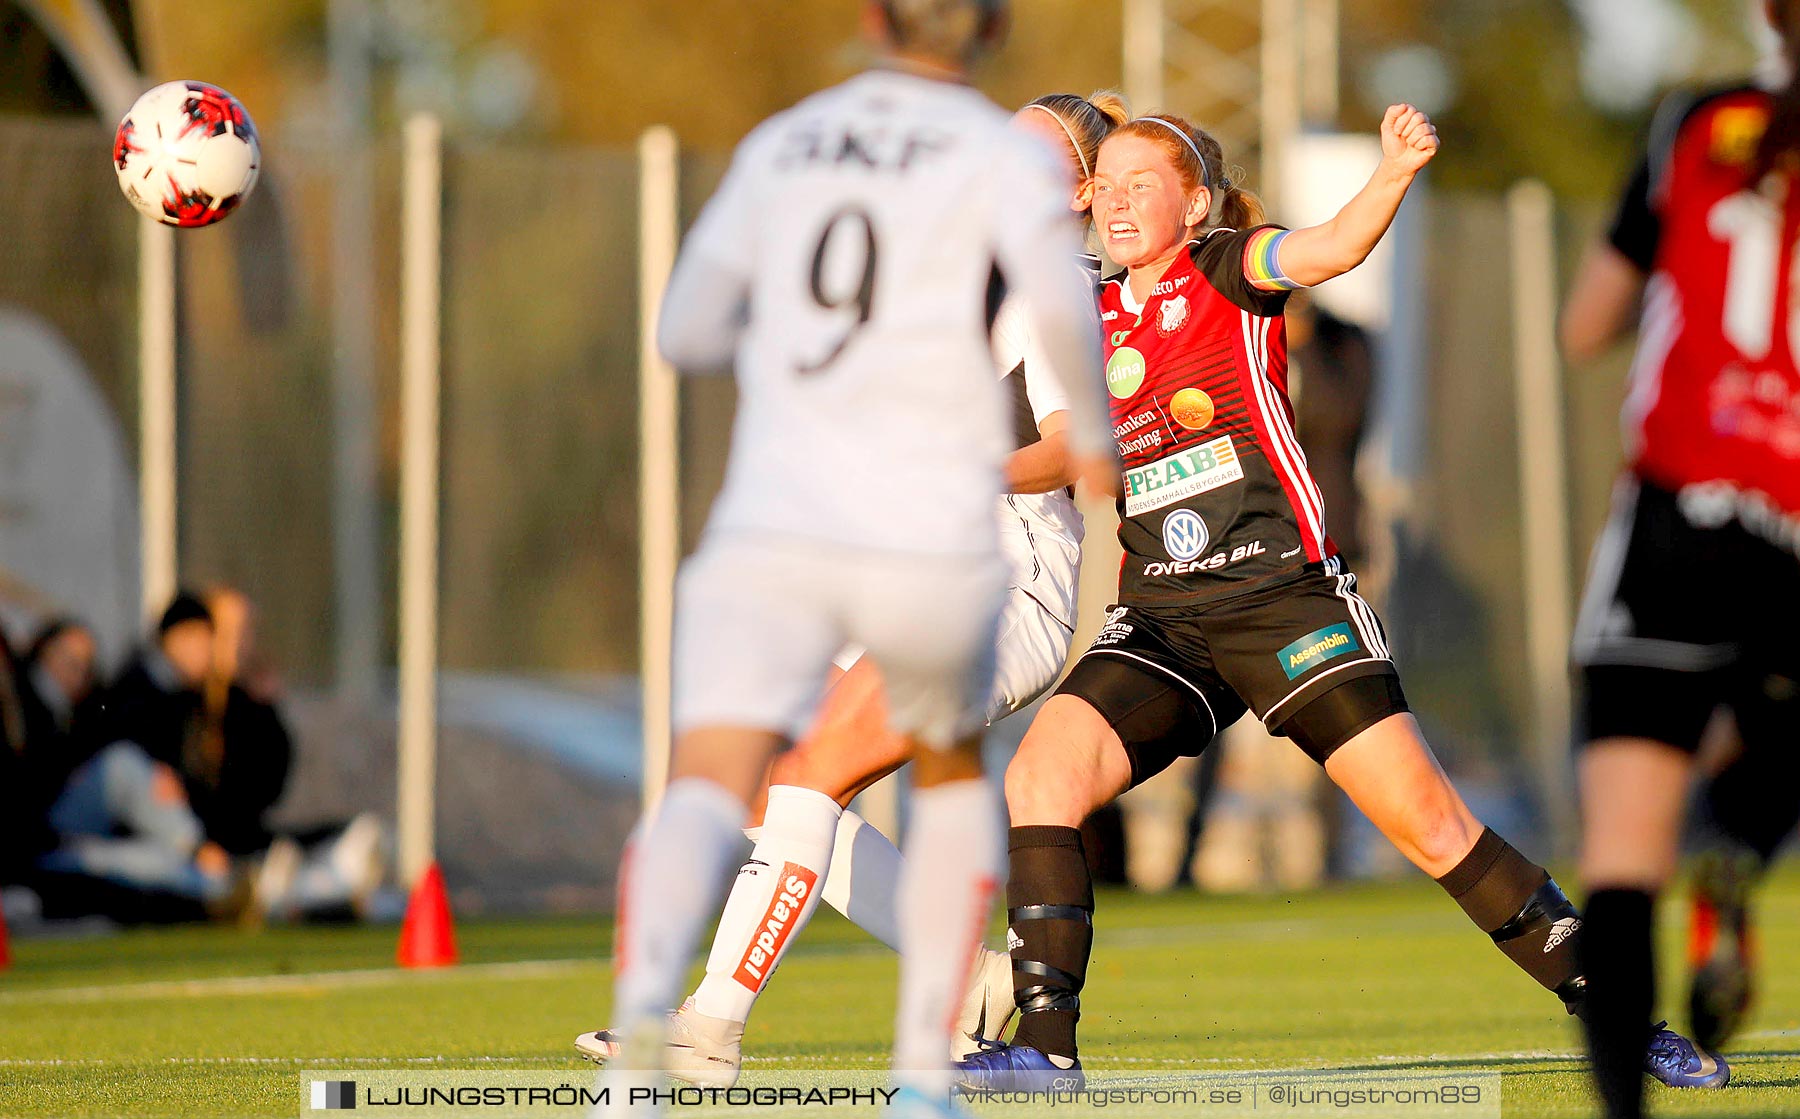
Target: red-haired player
pixel 1232 595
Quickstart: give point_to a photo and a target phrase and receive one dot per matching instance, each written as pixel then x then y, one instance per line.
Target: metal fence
pixel 539 437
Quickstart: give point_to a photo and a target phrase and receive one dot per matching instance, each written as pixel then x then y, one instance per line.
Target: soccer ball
pixel 186 154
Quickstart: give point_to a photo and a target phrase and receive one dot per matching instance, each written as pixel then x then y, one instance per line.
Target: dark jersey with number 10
pixel 1217 499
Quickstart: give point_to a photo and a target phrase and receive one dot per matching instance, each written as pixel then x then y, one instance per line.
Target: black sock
pixel 1050 924
pixel 1619 961
pixel 1754 802
pixel 1518 904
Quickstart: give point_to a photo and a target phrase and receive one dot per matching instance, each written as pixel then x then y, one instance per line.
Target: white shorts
pixel 1029 654
pixel 757 622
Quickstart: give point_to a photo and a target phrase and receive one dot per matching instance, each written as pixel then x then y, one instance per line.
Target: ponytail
pixel 1238 208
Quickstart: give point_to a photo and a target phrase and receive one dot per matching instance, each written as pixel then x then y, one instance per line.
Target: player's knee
pixel 1033 796
pixel 1443 835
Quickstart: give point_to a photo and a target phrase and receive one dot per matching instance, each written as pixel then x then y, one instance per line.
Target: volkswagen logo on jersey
pixel 1184 534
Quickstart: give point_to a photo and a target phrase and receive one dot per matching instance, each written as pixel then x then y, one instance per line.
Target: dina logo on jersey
pixel 1184 534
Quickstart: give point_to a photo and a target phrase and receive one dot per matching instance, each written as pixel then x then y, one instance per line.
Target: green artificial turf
pixel 207 1021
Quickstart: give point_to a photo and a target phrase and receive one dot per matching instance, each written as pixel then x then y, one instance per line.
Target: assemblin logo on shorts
pixel 1180 475
pixel 1316 648
pixel 797 884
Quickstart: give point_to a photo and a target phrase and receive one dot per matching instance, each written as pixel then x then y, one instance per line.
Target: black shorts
pixel 1308 656
pixel 1684 614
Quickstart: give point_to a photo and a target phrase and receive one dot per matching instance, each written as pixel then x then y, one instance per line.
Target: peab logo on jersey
pixel 1180 475
pixel 1184 534
pixel 797 884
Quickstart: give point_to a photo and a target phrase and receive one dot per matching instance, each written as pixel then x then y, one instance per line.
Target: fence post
pixel 420 310
pixel 1544 506
pixel 157 461
pixel 659 463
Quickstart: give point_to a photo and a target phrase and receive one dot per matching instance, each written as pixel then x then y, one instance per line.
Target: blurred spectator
pixel 1269 811
pixel 156 701
pixel 26 791
pixel 235 761
pixel 1332 363
pixel 235 757
pixel 58 682
pixel 122 830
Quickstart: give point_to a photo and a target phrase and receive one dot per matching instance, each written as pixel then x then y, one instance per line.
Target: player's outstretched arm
pixel 1602 304
pixel 1318 253
pixel 1045 465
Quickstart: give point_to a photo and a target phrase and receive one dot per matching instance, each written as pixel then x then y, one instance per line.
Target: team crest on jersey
pixel 1172 315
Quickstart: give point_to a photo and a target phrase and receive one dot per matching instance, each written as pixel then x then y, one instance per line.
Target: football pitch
pixel 196 1022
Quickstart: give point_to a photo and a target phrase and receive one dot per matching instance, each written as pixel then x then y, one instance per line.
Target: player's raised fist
pixel 1408 138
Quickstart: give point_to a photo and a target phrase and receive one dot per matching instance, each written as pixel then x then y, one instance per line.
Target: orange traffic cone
pixel 427 936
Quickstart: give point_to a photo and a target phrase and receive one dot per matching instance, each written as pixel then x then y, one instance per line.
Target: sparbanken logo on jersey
pixel 797 884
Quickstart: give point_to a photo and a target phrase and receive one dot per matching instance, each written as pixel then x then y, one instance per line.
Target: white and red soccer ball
pixel 186 154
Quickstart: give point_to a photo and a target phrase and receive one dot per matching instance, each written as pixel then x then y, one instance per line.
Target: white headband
pixel 1069 132
pixel 1205 179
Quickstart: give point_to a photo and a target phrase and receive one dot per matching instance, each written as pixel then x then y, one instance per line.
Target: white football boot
pixel 987 1007
pixel 702 1051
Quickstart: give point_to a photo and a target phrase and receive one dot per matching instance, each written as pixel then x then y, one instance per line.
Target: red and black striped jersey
pixel 1217 499
pixel 1714 394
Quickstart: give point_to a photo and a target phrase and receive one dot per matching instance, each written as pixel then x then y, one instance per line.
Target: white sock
pixel 673 870
pixel 955 863
pixel 774 896
pixel 865 875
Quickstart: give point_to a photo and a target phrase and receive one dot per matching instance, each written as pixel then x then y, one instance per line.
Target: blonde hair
pixel 1199 158
pixel 1085 120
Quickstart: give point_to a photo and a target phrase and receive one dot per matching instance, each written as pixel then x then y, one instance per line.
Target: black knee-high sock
pixel 1518 904
pixel 1619 961
pixel 1050 926
pixel 1754 802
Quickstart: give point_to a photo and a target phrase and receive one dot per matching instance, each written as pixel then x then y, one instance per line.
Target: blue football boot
pixel 1680 1063
pixel 998 1067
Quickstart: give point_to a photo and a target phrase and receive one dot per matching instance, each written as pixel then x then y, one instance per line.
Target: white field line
pixel 300 981
pixel 241 985
pixel 1101 1064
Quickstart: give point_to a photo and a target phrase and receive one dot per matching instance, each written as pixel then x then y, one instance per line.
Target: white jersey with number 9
pixel 850 264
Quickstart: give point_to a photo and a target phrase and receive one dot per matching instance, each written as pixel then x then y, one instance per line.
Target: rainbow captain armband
pixel 1262 262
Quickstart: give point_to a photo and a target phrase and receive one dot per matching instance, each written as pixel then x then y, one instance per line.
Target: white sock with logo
pixel 775 894
pixel 669 883
pixel 955 863
pixel 865 876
